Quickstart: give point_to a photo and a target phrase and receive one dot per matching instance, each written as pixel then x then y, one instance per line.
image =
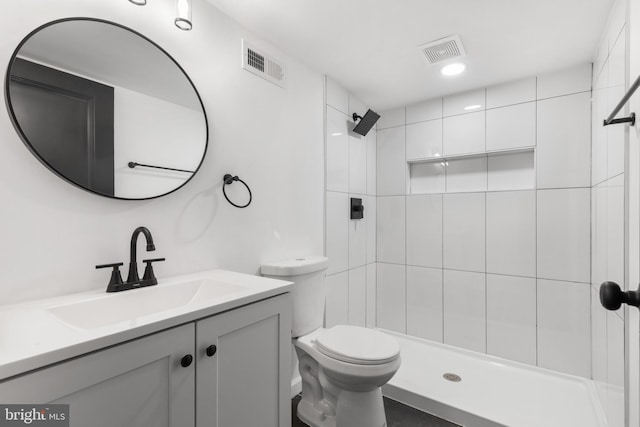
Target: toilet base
pixel 354 409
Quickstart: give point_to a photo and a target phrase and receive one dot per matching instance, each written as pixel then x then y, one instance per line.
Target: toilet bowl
pixel 342 367
pixel 342 370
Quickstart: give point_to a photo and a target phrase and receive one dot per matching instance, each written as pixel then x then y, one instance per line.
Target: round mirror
pixel 106 109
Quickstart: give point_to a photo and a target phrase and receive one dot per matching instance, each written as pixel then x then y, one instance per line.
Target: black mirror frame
pixel 20 132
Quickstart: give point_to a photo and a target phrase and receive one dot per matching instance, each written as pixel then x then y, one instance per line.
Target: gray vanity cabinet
pixel 137 384
pixel 247 380
pixel 147 382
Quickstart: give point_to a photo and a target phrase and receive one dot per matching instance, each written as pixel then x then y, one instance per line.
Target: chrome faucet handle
pixel 116 278
pixel 149 276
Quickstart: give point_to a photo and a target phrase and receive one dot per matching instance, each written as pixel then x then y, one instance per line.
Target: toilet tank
pixel 307 275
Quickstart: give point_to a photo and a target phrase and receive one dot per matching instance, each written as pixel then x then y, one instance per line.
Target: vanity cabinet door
pixel 136 384
pixel 245 380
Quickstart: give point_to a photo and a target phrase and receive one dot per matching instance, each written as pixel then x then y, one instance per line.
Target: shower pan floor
pixel 491 391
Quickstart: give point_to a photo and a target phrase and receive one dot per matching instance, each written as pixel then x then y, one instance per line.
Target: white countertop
pixel 37 333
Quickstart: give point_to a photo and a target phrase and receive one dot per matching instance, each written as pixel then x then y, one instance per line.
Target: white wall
pixel 483 221
pixel 53 234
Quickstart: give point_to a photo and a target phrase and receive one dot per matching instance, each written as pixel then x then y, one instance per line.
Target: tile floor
pixel 398 415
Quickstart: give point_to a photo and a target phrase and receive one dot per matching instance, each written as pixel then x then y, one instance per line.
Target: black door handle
pixel 612 297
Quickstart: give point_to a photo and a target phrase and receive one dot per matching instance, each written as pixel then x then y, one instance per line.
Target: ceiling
pixel 370 46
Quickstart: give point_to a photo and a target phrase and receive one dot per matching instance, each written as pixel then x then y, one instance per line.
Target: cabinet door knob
pixel 186 361
pixel 211 350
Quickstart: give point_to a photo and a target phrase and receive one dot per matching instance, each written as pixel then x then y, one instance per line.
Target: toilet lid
pixel 354 344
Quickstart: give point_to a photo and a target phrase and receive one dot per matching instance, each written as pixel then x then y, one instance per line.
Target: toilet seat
pixel 357 345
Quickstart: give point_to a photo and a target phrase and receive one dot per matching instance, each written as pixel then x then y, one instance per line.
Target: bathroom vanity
pixel 210 349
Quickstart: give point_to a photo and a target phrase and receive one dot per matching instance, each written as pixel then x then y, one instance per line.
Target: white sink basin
pixel 128 306
pixel 37 333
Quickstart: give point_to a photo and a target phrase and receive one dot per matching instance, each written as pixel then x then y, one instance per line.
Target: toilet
pixel 342 367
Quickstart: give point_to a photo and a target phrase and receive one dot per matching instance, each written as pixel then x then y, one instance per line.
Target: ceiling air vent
pixel 265 66
pixel 443 49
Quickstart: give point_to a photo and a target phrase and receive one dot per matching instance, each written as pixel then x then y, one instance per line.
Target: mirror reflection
pixel 106 109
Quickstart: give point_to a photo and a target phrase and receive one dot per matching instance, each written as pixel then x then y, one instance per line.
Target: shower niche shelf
pixel 502 170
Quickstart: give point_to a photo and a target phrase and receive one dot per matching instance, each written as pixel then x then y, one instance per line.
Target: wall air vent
pixel 263 65
pixel 443 49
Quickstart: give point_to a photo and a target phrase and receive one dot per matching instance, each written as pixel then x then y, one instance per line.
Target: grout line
pixel 486 304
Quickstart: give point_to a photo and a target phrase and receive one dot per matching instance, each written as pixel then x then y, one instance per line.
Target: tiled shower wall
pixel 350 244
pixel 483 238
pixel 607 194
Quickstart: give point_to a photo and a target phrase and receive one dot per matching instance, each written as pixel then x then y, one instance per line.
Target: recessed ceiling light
pixel 473 107
pixel 453 69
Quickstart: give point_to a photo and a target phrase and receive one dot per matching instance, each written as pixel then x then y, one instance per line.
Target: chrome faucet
pixel 133 279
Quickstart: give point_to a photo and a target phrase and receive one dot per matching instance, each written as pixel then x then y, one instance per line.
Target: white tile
pixel 358 236
pixel 391 162
pixel 617 62
pixel 616 22
pixel 563 239
pixel 391 297
pixel 356 106
pixel 565 82
pixel 358 296
pixel 615 350
pixel 337 96
pixel 424 230
pixel 600 56
pixel 599 235
pixel 371 162
pixel 615 230
pixel 424 302
pixel 464 231
pixel 371 295
pixel 564 141
pixel 513 171
pixel 337 234
pixel 511 318
pixel 464 310
pixel 457 104
pixel 510 93
pixel 594 242
pixel 357 165
pixel 601 134
pixel 391 118
pixel 615 370
pixel 370 210
pixel 615 133
pixel 464 134
pixel 427 177
pixel 511 233
pixel 511 127
pixel 337 300
pixel 467 174
pixel 428 110
pixel 337 151
pixel 390 235
pixel 564 332
pixel 598 338
pixel 424 140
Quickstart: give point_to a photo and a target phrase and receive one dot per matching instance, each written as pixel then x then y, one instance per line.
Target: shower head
pixel 366 122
